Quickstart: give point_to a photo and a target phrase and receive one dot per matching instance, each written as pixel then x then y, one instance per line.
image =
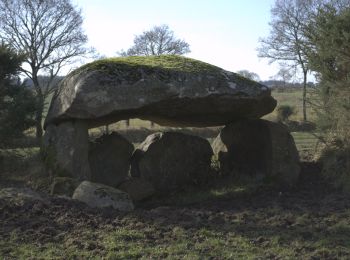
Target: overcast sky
pixel 221 32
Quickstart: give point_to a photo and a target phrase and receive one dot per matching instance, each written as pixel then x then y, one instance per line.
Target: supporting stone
pixel 65 149
pixel 109 158
pixel 172 160
pixel 260 149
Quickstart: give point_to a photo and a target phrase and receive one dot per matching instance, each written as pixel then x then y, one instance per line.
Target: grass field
pixel 292 98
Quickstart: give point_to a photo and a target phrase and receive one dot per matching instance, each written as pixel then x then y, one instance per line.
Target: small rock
pixel 101 196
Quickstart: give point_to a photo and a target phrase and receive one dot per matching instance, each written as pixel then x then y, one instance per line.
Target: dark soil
pixel 306 212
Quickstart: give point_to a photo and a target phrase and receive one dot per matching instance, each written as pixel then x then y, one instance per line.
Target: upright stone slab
pixel 65 149
pixel 260 149
pixel 171 160
pixel 109 158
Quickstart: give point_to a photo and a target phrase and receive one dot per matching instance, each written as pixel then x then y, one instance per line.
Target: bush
pixel 17 113
pixel 335 160
pixel 328 34
pixel 284 112
pixel 17 103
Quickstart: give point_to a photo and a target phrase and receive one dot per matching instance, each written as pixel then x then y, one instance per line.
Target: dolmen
pixel 169 90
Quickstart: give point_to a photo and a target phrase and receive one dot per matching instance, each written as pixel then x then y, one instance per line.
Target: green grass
pixel 23 167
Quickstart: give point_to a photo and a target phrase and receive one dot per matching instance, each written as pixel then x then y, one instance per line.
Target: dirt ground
pixel 311 213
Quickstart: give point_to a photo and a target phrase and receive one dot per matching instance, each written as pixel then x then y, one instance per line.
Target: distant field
pixel 305 141
pixel 292 98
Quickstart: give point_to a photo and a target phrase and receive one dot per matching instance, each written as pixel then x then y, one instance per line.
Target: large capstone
pixel 169 90
pixel 109 158
pixel 260 149
pixel 171 160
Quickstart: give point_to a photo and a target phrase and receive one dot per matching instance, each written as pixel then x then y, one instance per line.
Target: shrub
pixel 335 160
pixel 328 35
pixel 284 112
pixel 17 103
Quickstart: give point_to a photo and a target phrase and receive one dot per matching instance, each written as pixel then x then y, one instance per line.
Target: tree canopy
pixel 249 75
pixel 17 104
pixel 157 41
pixel 50 33
pixel 286 42
pixel 329 57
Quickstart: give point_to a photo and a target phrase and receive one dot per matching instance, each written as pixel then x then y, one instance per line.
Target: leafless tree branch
pixel 50 33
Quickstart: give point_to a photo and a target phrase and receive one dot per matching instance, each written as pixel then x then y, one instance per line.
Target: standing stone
pixel 109 158
pixel 65 149
pixel 258 148
pixel 97 195
pixel 170 160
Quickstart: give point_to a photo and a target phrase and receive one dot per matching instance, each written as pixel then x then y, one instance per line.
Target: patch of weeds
pixel 15 248
pixel 303 220
pixel 125 243
pixel 23 166
pixel 338 234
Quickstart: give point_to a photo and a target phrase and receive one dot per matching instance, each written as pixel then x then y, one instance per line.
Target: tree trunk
pixel 39 118
pixel 304 95
pixel 39 107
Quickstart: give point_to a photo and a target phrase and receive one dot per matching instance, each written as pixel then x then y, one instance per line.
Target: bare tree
pixel 157 41
pixel 249 75
pixel 284 74
pixel 160 40
pixel 50 33
pixel 286 41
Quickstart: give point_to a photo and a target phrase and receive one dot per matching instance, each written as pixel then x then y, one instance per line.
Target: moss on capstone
pixel 166 67
pixel 174 63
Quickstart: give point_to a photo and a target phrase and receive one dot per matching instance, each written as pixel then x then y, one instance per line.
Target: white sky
pixel 221 32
